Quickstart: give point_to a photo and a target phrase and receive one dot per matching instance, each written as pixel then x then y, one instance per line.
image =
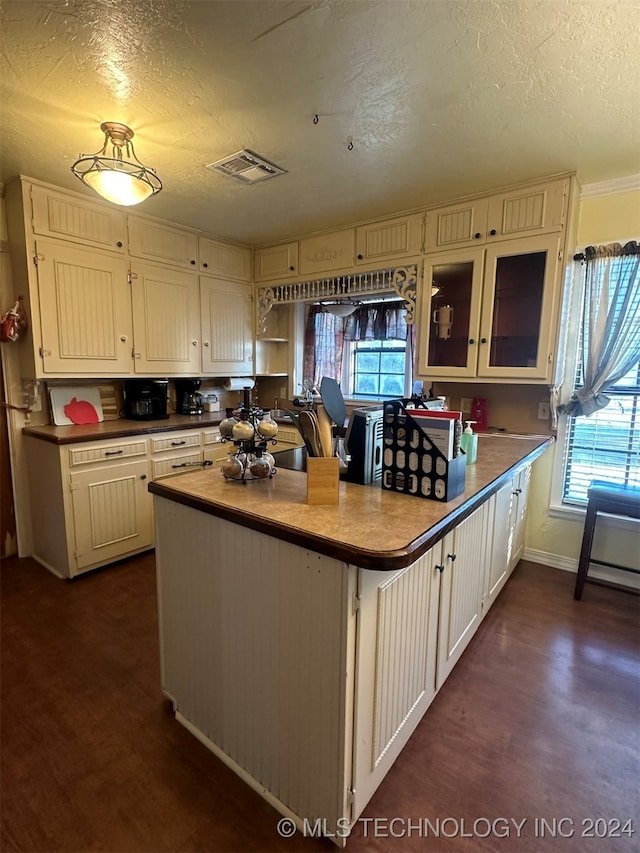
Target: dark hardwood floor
pixel 539 720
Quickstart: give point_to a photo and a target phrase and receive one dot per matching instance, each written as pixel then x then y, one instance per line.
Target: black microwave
pixel 145 399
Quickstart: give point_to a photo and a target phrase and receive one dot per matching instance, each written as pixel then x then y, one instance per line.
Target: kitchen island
pixel 303 644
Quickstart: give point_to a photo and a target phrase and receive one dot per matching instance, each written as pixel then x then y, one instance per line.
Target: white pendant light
pixel 117 178
pixel 340 309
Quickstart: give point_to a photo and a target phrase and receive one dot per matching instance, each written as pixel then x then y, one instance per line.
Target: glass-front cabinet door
pixel 450 317
pixel 517 329
pixel 489 312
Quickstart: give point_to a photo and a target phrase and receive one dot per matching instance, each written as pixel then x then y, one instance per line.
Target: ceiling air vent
pixel 247 167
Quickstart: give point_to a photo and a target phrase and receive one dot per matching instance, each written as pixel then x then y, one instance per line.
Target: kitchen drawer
pixel 104 453
pixel 176 464
pixel 211 436
pixel 171 442
pixel 288 435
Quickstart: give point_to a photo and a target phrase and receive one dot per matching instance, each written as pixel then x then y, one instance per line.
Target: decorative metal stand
pixel 251 460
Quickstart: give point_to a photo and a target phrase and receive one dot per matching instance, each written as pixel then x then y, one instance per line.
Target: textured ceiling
pixel 440 98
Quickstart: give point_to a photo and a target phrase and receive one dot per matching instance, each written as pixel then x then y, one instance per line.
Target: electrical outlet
pixel 465 405
pixel 283 392
pixel 544 412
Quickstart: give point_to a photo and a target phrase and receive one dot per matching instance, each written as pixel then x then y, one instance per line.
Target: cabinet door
pixel 456 225
pixel 465 555
pixel 527 212
pixel 85 311
pixel 519 514
pixel 327 252
pixel 517 329
pixel 227 327
pixel 389 239
pixel 224 259
pixel 55 214
pixel 396 664
pixel 166 320
pixel 158 242
pixel 111 512
pixel 502 548
pixel 275 262
pixel 450 313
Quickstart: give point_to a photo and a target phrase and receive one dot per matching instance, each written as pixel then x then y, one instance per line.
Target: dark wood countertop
pixel 370 527
pixel 119 428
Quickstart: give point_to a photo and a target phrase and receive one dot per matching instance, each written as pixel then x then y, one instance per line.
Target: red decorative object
pixel 81 412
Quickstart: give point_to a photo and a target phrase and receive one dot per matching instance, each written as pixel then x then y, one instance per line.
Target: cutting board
pixel 87 408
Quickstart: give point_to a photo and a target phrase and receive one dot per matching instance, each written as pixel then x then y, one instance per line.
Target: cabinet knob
pixel 472 340
pixel 477 235
pixel 205 265
pixel 119 244
pixel 123 338
pixel 440 568
pixel 360 257
pixel 516 491
pixel 193 262
pixel 194 343
pixel 451 557
pixel 143 476
pixel 493 232
pixel 205 343
pixel 292 269
pixel 483 340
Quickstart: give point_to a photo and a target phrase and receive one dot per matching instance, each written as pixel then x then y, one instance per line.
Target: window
pixel 599 424
pixel 606 445
pixel 376 369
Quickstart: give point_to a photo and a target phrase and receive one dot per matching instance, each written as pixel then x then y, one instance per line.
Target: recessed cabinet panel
pixel 540 209
pixel 227 327
pixel 223 259
pixel 327 252
pixel 456 225
pixel 274 262
pixel 166 320
pixel 158 242
pixel 58 215
pixel 389 239
pixel 85 310
pixel 111 511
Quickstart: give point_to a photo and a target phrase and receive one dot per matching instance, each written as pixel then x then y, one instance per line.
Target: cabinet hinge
pixel 131 276
pixel 42 352
pixel 74 488
pixel 351 798
pixel 135 354
pixel 355 603
pixel 37 258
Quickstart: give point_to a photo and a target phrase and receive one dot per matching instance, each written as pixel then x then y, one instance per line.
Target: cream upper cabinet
pixel 528 211
pixel 224 259
pixel 166 320
pixel 276 262
pixel 327 252
pixel 85 311
pixel 390 239
pixel 490 312
pixel 55 214
pixel 227 327
pixel 157 241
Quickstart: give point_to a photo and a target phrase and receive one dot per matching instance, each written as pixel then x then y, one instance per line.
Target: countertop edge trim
pixel 374 561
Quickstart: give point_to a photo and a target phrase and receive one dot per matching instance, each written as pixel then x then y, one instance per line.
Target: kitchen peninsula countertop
pixel 370 526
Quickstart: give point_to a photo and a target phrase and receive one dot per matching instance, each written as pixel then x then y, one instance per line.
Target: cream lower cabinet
pixel 509 524
pixel 396 665
pixel 89 503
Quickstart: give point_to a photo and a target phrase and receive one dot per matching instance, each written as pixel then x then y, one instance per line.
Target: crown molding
pixel 616 185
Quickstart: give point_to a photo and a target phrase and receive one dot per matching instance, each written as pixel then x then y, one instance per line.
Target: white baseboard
pixel 570 564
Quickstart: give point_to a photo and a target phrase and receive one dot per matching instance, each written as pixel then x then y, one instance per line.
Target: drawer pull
pixel 440 568
pixel 204 464
pixel 113 452
pixel 517 491
pixel 178 443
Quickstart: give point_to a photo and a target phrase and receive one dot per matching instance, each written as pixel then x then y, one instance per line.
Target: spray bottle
pixel 469 443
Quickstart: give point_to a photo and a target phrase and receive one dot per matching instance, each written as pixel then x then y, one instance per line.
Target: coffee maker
pixel 145 399
pixel 188 400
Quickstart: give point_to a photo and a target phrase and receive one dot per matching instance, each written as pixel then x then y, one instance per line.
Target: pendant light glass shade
pixel 121 179
pixel 340 309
